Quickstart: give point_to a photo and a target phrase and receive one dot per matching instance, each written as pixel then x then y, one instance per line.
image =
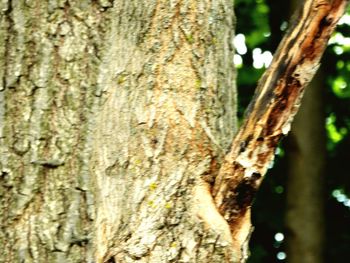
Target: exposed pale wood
pixel 272 109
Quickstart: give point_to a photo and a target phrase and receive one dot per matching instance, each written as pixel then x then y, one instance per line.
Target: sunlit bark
pixel 167 119
pixel 49 65
pixel 116 119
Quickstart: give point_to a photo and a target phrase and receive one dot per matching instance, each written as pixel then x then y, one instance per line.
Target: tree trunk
pixel 306 152
pixel 116 120
pixel 307 156
pixel 169 91
pixel 159 78
pixel 50 55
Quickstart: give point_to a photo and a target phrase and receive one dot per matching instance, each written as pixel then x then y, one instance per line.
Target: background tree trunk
pixel 305 197
pixel 306 151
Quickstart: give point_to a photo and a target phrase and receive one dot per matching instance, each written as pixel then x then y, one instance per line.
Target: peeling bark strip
pixel 272 109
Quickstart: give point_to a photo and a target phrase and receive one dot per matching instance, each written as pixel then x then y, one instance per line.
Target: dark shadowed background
pixel 308 188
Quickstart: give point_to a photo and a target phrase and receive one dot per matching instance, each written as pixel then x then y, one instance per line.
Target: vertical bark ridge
pixel 169 91
pixel 49 62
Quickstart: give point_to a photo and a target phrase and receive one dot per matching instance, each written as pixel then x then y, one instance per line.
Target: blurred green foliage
pixel 263 23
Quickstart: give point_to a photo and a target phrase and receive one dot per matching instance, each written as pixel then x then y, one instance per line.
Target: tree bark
pixel 116 120
pixel 50 63
pixel 271 112
pixel 167 119
pixel 306 153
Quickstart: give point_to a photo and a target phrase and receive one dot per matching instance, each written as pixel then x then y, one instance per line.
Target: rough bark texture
pixel 307 157
pixel 49 64
pixel 168 117
pixel 121 112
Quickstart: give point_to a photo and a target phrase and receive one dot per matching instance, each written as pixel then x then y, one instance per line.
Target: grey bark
pixel 169 90
pixel 50 60
pixel 129 102
pixel 117 117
